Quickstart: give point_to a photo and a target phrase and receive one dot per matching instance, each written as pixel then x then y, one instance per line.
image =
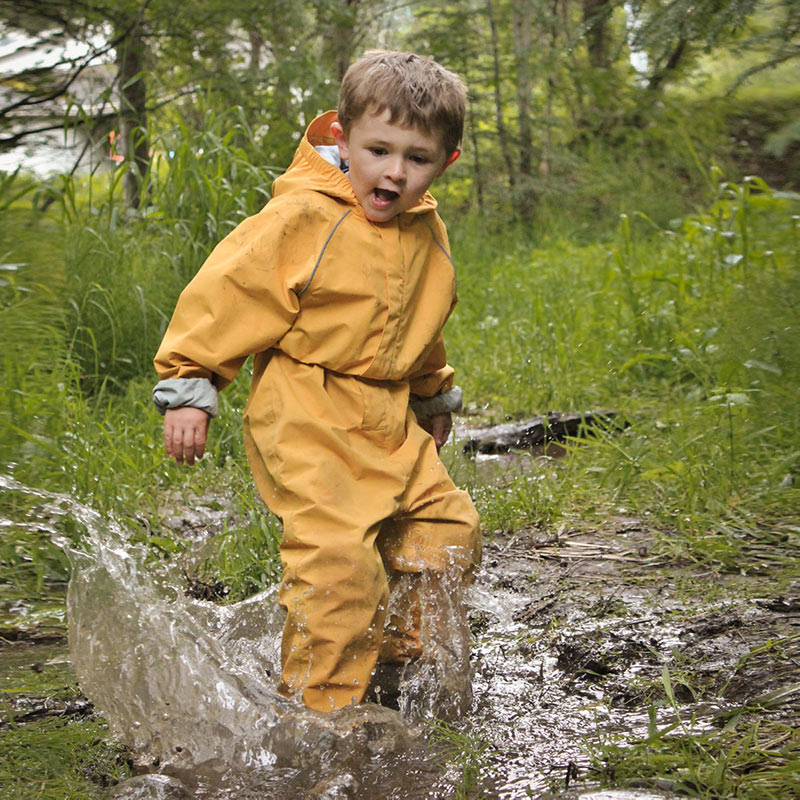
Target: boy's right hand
pixel 185 432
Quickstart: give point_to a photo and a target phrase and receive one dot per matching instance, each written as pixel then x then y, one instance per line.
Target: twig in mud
pixel 536 608
pixel 589 544
pixel 555 553
pixel 572 772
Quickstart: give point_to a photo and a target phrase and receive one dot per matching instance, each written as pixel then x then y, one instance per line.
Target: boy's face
pixel 391 166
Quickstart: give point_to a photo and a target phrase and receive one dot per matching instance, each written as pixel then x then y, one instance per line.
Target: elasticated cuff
pixel 179 392
pixel 446 402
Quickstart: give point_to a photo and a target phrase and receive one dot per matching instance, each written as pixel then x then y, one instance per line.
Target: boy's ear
pixel 455 154
pixel 340 137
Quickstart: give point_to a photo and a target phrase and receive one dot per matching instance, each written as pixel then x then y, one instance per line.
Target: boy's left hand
pixel 438 426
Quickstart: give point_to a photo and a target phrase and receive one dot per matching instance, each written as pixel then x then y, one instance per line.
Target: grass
pixel 465 754
pixel 55 756
pixel 690 332
pixel 59 758
pixel 748 756
pixel 752 761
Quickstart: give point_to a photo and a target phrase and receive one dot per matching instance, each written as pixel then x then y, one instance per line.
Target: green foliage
pixel 567 126
pixel 508 498
pixel 746 759
pixel 61 425
pixel 120 273
pixel 14 186
pixel 692 325
pixel 466 753
pixel 690 331
pixel 207 178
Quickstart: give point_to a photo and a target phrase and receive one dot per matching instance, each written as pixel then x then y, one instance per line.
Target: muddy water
pixel 590 622
pixel 570 634
pixel 542 666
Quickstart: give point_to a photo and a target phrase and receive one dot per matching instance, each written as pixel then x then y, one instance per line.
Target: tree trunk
pixel 131 62
pixel 256 49
pixel 595 20
pixel 337 20
pixel 502 135
pixel 476 159
pixel 521 18
pixel 551 44
pixel 346 37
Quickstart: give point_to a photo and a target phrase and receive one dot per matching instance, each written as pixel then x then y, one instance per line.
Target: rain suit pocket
pixel 385 409
pixel 376 405
pixel 343 400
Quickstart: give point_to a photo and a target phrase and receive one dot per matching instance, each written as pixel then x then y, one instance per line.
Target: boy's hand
pixel 438 426
pixel 185 432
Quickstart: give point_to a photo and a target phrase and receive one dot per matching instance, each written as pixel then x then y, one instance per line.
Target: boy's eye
pixel 420 159
pixel 377 151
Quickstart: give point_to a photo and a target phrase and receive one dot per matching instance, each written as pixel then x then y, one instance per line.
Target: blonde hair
pixel 415 90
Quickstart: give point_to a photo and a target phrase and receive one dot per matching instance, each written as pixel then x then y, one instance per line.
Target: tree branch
pixel 30 101
pixel 787 55
pixel 80 120
pixel 675 57
pixel 10 142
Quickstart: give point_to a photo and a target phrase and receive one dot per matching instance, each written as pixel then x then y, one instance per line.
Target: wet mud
pixel 571 633
pixel 587 622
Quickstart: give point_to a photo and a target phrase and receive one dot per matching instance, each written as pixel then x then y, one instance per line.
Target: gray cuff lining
pixel 447 402
pixel 179 392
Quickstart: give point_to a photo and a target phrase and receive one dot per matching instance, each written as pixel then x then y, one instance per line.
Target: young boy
pixel 340 288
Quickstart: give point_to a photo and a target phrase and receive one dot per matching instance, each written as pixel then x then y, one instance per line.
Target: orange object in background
pixel 115 140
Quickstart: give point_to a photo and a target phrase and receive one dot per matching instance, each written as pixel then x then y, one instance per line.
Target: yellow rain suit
pixel 344 318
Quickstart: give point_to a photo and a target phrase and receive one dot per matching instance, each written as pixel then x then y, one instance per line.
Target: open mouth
pixel 384 196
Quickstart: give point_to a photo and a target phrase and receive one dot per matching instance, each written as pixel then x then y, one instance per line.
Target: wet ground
pixel 572 633
pixel 591 621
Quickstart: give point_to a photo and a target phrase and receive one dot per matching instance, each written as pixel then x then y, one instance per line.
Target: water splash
pixel 189 686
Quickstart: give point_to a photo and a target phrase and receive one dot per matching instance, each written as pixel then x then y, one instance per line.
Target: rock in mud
pixel 340 787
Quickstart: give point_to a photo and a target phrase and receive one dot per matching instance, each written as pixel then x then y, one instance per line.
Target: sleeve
pixel 445 403
pixel 179 392
pixel 435 375
pixel 431 385
pixel 242 300
pixel 432 390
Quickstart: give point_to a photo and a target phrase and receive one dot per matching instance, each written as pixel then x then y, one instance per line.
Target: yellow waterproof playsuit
pixel 344 318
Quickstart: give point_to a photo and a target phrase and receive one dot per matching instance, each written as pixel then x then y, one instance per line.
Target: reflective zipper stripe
pixel 322 252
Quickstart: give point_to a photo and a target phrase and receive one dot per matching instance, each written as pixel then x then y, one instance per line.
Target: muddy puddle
pixel 571 633
pixel 591 622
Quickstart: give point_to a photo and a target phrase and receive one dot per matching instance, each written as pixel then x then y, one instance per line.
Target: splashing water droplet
pixel 131 626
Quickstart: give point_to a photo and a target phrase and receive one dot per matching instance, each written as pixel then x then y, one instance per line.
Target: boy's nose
pixel 396 170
